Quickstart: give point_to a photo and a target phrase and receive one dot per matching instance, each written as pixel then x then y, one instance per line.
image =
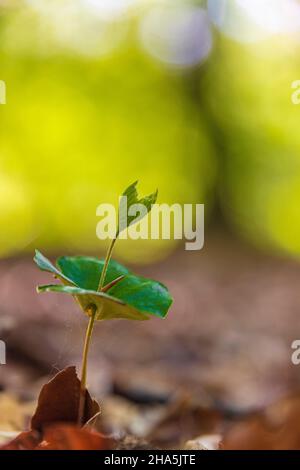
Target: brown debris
pixel 275 428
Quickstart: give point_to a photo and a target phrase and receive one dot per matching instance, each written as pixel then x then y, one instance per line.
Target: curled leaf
pixel 107 307
pixel 132 208
pixel 125 295
pixel 45 265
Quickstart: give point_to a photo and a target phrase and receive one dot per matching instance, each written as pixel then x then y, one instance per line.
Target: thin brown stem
pixel 93 311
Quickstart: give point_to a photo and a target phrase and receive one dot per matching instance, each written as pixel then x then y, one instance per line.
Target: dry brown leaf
pixel 54 423
pixel 59 401
pixel 68 437
pixel 27 440
pixel 182 419
pixel 59 437
pixel 276 428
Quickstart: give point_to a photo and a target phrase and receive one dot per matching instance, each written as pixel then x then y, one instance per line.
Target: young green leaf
pixel 45 265
pixel 145 295
pixel 107 307
pixel 132 209
pixel 129 296
pixel 85 271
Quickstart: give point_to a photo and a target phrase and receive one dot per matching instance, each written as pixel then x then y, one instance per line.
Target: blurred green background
pixel 191 97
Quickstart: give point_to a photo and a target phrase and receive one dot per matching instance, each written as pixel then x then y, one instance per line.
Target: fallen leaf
pixel 54 423
pixel 59 437
pixel 275 428
pixel 68 437
pixel 27 440
pixel 59 401
pixel 162 425
pixel 183 419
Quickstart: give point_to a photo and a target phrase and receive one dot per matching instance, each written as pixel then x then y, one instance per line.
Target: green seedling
pixel 104 289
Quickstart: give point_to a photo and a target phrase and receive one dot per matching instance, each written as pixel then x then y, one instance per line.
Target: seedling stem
pixel 87 342
pixel 92 311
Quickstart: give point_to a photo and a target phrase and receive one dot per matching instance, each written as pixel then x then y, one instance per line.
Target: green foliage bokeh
pixel 77 129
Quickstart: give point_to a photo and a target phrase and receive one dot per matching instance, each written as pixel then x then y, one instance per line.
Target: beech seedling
pixel 105 289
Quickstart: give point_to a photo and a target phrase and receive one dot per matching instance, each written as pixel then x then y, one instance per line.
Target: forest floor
pixel 222 358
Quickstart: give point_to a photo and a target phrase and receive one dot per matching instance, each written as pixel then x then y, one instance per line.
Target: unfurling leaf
pixel 132 209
